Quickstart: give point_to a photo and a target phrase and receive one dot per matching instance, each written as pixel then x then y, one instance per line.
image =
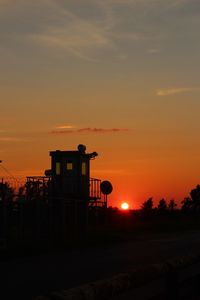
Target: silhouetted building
pixel 69 178
pixel 70 171
pixel 60 204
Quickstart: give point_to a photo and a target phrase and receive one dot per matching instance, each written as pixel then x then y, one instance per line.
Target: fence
pixel 14 182
pixel 40 220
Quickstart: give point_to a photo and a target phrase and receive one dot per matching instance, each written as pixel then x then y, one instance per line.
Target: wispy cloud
pixel 77 43
pixel 172 91
pixel 77 34
pixel 11 139
pixel 83 28
pixel 64 127
pixel 89 130
pixel 153 51
pixel 5 2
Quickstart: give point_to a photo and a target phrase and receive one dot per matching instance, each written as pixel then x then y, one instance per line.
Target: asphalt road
pixel 25 278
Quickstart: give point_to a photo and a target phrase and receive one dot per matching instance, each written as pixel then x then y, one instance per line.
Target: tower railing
pixel 95 191
pixel 41 185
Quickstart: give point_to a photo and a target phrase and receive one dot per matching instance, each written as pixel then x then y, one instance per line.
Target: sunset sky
pixel 120 76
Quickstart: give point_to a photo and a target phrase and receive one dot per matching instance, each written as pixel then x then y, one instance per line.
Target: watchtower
pixel 70 173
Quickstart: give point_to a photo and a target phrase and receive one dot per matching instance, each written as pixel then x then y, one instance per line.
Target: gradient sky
pixel 121 76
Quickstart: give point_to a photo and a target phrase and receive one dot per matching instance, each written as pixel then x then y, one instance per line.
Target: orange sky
pixel 71 72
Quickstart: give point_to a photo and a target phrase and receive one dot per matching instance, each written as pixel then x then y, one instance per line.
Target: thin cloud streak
pixel 65 29
pixel 77 35
pixel 12 139
pixel 153 51
pixel 90 130
pixel 65 127
pixel 172 91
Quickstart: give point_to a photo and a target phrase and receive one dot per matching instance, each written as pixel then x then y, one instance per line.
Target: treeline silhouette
pixel 30 219
pixel 192 203
pixel 188 204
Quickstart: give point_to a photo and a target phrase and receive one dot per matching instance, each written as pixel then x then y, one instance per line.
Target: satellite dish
pixel 81 148
pixel 106 187
pixel 48 172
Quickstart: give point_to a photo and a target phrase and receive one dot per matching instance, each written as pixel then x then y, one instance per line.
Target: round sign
pixel 106 187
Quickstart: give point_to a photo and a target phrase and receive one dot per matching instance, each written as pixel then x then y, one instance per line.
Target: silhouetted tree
pixel 187 204
pixel 195 195
pixel 6 192
pixel 147 205
pixel 172 205
pixel 21 195
pixel 162 205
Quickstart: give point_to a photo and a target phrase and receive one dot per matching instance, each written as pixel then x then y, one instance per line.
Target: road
pixel 25 278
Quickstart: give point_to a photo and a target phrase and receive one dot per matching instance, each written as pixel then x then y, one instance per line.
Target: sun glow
pixel 124 206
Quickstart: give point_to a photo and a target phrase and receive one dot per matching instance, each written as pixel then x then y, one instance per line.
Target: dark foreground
pixel 26 278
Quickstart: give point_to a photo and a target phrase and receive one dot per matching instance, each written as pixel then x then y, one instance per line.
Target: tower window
pixel 84 168
pixel 69 166
pixel 57 168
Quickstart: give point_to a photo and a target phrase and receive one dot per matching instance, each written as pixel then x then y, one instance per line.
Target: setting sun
pixel 124 206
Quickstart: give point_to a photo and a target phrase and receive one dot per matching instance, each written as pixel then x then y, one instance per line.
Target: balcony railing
pixel 95 191
pixel 41 185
